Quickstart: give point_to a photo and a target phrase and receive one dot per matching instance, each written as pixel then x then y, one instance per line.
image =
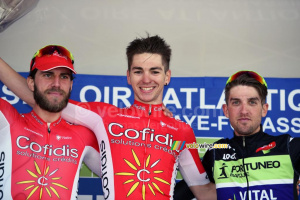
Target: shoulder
pixel 277 137
pixel 81 135
pixel 5 105
pixel 178 123
pixel 8 110
pixel 181 128
pixel 96 107
pixel 90 104
pixel 79 130
pixel 223 140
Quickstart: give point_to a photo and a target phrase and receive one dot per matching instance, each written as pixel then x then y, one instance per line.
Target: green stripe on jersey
pixel 257 169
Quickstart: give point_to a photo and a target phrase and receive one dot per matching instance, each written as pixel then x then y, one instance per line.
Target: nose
pixel 56 81
pixel 244 108
pixel 146 78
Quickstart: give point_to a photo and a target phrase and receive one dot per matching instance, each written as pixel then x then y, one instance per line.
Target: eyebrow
pixel 152 68
pixel 156 68
pixel 233 99
pixel 254 98
pixel 136 68
pixel 249 99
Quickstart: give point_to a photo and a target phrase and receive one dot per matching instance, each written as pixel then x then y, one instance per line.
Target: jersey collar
pixel 147 109
pixel 40 121
pixel 251 139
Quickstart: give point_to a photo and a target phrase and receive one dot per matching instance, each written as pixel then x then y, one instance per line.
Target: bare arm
pixel 204 192
pixel 15 82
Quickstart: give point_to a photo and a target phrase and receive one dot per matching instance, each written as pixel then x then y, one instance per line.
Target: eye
pixel 252 102
pixel 235 102
pixel 137 72
pixel 65 77
pixel 47 75
pixel 155 72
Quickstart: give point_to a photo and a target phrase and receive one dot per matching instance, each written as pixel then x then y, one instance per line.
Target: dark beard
pixel 43 102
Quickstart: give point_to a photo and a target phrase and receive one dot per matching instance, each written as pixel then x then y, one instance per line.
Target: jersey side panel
pixel 89 115
pixel 190 164
pixel 5 158
pixel 8 115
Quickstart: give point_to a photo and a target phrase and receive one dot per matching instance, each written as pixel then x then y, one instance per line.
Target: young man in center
pixel 136 159
pixel 135 143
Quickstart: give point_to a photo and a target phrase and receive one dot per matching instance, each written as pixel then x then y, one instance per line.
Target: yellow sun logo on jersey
pixel 42 182
pixel 149 182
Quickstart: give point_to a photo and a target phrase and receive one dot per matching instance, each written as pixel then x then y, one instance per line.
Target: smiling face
pixel 51 88
pixel 245 110
pixel 147 76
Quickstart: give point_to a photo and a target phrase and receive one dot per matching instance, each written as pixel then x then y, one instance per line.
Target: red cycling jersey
pixel 135 143
pixel 40 160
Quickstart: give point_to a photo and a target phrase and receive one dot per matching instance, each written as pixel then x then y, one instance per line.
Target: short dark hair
pixel 153 44
pixel 247 80
pixel 32 73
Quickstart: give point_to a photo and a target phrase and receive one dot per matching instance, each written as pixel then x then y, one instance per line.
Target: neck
pixel 147 103
pixel 258 130
pixel 45 115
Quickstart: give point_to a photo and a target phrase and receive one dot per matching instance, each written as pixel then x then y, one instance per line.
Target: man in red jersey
pixel 135 143
pixel 41 153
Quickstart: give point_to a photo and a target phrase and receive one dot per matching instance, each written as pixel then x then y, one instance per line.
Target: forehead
pixel 243 91
pixel 147 60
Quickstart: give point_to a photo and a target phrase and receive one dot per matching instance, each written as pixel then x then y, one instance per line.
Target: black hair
pixel 149 44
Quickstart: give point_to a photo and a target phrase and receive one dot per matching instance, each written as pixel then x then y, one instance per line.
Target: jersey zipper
pixel 45 161
pixel 149 113
pixel 150 109
pixel 49 130
pixel 145 149
pixel 245 173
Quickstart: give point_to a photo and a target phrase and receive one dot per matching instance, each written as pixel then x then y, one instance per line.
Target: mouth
pixel 147 88
pixel 244 119
pixel 55 92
